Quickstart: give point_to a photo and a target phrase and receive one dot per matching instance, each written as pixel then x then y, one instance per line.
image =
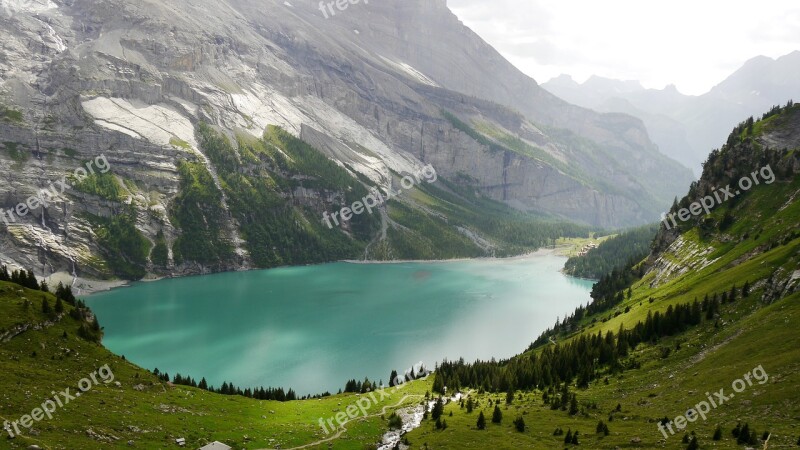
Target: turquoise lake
pixel 312 328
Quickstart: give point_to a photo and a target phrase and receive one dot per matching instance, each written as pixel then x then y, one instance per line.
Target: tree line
pixel 89 328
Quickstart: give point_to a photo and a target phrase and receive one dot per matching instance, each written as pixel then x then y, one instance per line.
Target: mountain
pixel 230 128
pixel 713 309
pixel 687 127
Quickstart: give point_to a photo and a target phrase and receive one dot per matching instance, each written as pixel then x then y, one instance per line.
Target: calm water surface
pixel 313 328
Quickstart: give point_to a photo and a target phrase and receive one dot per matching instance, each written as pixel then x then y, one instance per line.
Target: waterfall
pixel 74 275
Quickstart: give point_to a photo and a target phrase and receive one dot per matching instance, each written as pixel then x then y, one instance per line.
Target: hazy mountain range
pixel 688 127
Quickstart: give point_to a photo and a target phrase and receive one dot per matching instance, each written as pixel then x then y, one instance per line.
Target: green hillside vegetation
pixel 198 212
pixel 259 175
pixel 103 185
pixel 11 115
pixel 614 253
pixel 123 246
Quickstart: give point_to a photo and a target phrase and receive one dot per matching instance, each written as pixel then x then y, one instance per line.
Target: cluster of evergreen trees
pixel 358 387
pixel 89 328
pixel 570 438
pixel 745 436
pixel 24 278
pixel 615 253
pixel 261 393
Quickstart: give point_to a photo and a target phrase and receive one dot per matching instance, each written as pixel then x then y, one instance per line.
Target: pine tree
pixel 59 306
pixel 718 434
pixel 481 421
pixel 509 397
pixel 470 405
pixel 602 428
pixel 497 416
pixel 45 306
pixel 438 409
pixel 519 424
pixel 568 437
pixel 744 435
pixel 573 405
pixel 575 438
pixel 693 444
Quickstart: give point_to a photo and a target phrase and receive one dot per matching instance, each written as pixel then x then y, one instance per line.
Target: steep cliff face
pixel 379 88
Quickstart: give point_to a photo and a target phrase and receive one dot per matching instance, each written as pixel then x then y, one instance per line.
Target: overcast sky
pixel 693 44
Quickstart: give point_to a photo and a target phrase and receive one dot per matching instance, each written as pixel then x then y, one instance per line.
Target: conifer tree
pixel 481 421
pixel 573 405
pixel 497 416
pixel 519 424
pixel 438 409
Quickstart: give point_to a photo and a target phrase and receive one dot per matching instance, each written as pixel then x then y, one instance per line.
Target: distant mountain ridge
pixel 687 127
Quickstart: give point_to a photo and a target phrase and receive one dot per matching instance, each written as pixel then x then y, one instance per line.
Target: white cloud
pixel 692 44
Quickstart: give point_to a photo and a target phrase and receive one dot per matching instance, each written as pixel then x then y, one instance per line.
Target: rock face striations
pixel 381 88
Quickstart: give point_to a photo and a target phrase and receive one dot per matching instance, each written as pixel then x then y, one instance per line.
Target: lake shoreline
pixel 88 286
pixel 534 254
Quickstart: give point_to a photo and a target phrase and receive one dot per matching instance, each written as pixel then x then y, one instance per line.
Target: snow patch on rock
pixel 411 71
